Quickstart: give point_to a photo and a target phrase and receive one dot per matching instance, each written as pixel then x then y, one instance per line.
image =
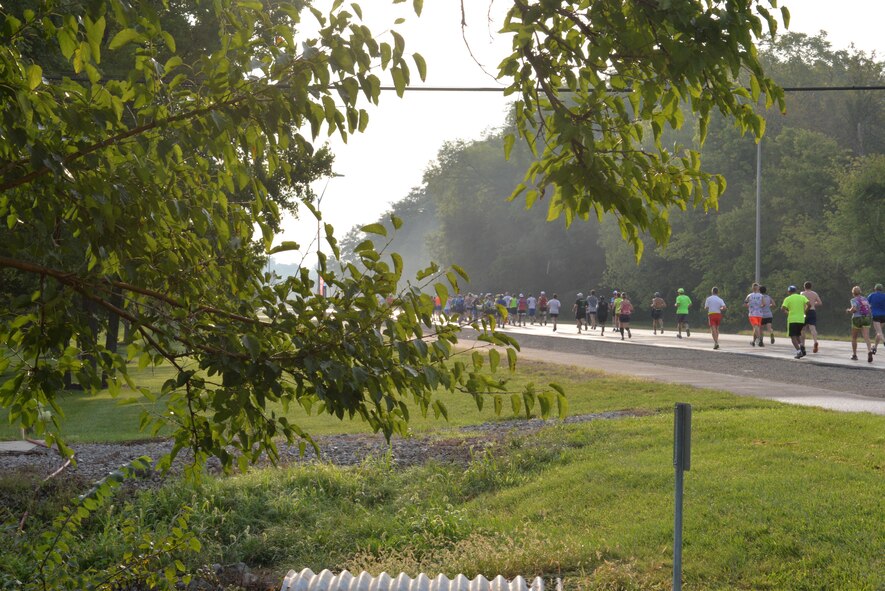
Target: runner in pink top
pixel 624 316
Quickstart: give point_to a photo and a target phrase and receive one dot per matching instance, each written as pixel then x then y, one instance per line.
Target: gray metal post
pixel 681 463
pixel 759 211
pixel 677 535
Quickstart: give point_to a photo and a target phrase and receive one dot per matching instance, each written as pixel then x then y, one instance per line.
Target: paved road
pixel 828 379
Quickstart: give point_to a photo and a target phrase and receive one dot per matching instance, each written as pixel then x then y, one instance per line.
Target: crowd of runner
pixel 595 311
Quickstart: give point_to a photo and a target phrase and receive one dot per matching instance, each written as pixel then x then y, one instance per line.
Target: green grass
pixel 778 497
pixel 90 418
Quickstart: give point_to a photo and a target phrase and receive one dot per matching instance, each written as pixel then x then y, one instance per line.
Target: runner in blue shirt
pixel 877 303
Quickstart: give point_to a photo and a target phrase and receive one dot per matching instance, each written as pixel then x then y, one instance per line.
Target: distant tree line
pixel 823 205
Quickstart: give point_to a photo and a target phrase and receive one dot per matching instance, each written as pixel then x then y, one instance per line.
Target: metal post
pixel 759 211
pixel 677 535
pixel 681 463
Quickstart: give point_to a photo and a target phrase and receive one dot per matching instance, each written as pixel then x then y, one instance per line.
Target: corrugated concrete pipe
pixel 306 580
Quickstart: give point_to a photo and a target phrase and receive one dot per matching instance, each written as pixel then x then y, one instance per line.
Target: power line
pixel 501 88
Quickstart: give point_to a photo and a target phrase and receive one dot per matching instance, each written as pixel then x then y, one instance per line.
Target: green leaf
pixel 442 409
pixel 251 344
pixel 509 140
pixel 442 292
pixel 418 5
pixel 396 221
pixel 35 76
pixel 461 272
pixel 95 35
pixel 285 246
pixel 421 65
pixel 399 81
pixel 397 264
pixel 375 229
pixel 124 37
pixel 67 43
pixel 511 359
pixel 385 55
pixel 562 404
pixel 785 14
pixel 545 403
pixel 494 359
pixel 516 403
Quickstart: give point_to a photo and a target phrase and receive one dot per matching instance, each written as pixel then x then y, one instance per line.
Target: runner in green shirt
pixel 795 305
pixel 683 303
pixel 616 306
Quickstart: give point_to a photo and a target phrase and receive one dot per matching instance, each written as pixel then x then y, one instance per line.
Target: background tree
pixel 803 189
pixel 857 221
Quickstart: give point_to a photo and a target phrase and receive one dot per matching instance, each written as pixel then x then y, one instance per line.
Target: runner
pixel 877 303
pixel 754 302
pixel 715 307
pixel 489 309
pixel 501 309
pixel 592 305
pixel 768 308
pixel 542 308
pixel 811 316
pixel 580 310
pixel 533 305
pixel 470 307
pixel 861 318
pixel 795 306
pixel 554 304
pixel 602 315
pixel 683 303
pixel 624 316
pixel 657 312
pixel 513 310
pixel 616 311
pixel 459 306
pixel 522 307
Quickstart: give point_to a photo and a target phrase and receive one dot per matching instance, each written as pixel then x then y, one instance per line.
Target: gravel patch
pixel 96 460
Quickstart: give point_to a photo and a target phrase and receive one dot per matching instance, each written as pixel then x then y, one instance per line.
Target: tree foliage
pixel 595 79
pixel 141 179
pixel 819 206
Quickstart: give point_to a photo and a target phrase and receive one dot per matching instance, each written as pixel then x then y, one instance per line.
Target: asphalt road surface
pixel 828 379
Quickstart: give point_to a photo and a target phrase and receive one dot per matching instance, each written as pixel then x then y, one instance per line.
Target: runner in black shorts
pixel 602 315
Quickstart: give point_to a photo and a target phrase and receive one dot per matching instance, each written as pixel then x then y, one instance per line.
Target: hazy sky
pixel 404 135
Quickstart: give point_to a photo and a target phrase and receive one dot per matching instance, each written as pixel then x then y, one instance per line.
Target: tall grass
pixel 778 497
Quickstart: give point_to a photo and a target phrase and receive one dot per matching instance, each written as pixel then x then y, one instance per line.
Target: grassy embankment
pixel 778 497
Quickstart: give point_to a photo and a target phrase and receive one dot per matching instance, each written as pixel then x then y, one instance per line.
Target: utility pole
pixel 321 288
pixel 759 211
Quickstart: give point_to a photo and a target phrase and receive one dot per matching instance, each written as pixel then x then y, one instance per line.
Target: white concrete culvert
pixel 307 580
